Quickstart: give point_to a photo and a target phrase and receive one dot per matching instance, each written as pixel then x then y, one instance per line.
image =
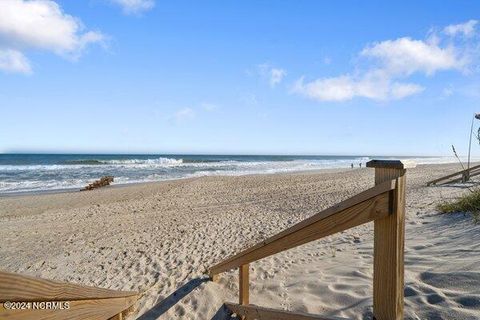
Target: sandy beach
pixel 160 239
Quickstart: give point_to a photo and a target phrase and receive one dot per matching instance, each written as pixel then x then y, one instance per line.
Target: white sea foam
pixel 78 173
pixel 38 185
pixel 157 161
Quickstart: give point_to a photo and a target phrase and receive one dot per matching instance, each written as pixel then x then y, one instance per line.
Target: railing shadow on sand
pixel 163 306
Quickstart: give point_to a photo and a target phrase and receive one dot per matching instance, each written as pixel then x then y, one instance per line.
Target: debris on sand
pixel 104 181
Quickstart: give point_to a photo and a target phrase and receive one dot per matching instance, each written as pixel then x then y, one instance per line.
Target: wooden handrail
pixel 471 174
pixel 17 287
pixel 384 204
pixel 84 302
pixel 362 208
pixel 462 172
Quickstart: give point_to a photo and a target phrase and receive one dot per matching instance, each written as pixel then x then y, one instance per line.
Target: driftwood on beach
pixel 104 181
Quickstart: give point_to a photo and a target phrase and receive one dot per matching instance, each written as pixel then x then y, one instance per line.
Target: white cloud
pixel 466 29
pixel 276 76
pixel 405 56
pixel 41 24
pixel 327 89
pixel 184 114
pixel 135 6
pixel 390 62
pixel 401 90
pixel 14 61
pixel 346 87
pixel 272 74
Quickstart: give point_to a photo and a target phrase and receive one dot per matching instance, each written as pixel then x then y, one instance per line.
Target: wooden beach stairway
pixel 460 176
pixel 384 204
pixel 24 297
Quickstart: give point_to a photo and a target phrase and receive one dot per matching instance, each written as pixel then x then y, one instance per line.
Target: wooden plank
pixel 472 174
pixel 97 309
pixel 388 262
pixel 435 181
pixel 365 207
pixel 475 173
pixel 117 317
pixel 243 284
pixel 392 164
pixel 16 287
pixel 251 312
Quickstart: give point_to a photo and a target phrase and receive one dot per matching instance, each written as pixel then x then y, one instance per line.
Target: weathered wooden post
pixel 389 237
pixel 243 284
pixel 465 176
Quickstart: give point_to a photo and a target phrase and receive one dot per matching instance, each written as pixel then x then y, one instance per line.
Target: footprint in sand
pixel 471 302
pixel 468 281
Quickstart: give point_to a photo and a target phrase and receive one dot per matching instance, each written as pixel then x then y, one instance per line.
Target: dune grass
pixel 468 203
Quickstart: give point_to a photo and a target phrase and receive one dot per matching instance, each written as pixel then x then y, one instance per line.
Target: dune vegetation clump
pixel 468 203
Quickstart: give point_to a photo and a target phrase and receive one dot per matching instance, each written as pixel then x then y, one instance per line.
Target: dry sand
pixel 160 238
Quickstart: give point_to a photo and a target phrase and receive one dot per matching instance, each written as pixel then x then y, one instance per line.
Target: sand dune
pixel 160 238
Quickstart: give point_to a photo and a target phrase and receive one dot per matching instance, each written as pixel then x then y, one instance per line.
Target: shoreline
pixel 123 185
pixel 16 194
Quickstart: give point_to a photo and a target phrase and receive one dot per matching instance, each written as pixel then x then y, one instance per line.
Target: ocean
pixel 47 172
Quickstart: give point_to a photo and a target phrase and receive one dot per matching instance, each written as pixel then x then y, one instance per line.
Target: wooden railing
pixel 460 176
pixel 384 204
pixel 25 297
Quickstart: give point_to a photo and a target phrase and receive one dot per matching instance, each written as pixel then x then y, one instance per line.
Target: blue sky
pixel 249 77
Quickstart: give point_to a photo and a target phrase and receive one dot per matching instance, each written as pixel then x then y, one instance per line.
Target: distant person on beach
pixel 360 164
pixel 352 165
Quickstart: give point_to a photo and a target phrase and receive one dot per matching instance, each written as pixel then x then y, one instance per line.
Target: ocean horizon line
pixel 28 172
pixel 217 154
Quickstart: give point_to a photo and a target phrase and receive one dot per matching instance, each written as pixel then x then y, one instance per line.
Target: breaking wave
pixel 23 173
pixel 160 161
